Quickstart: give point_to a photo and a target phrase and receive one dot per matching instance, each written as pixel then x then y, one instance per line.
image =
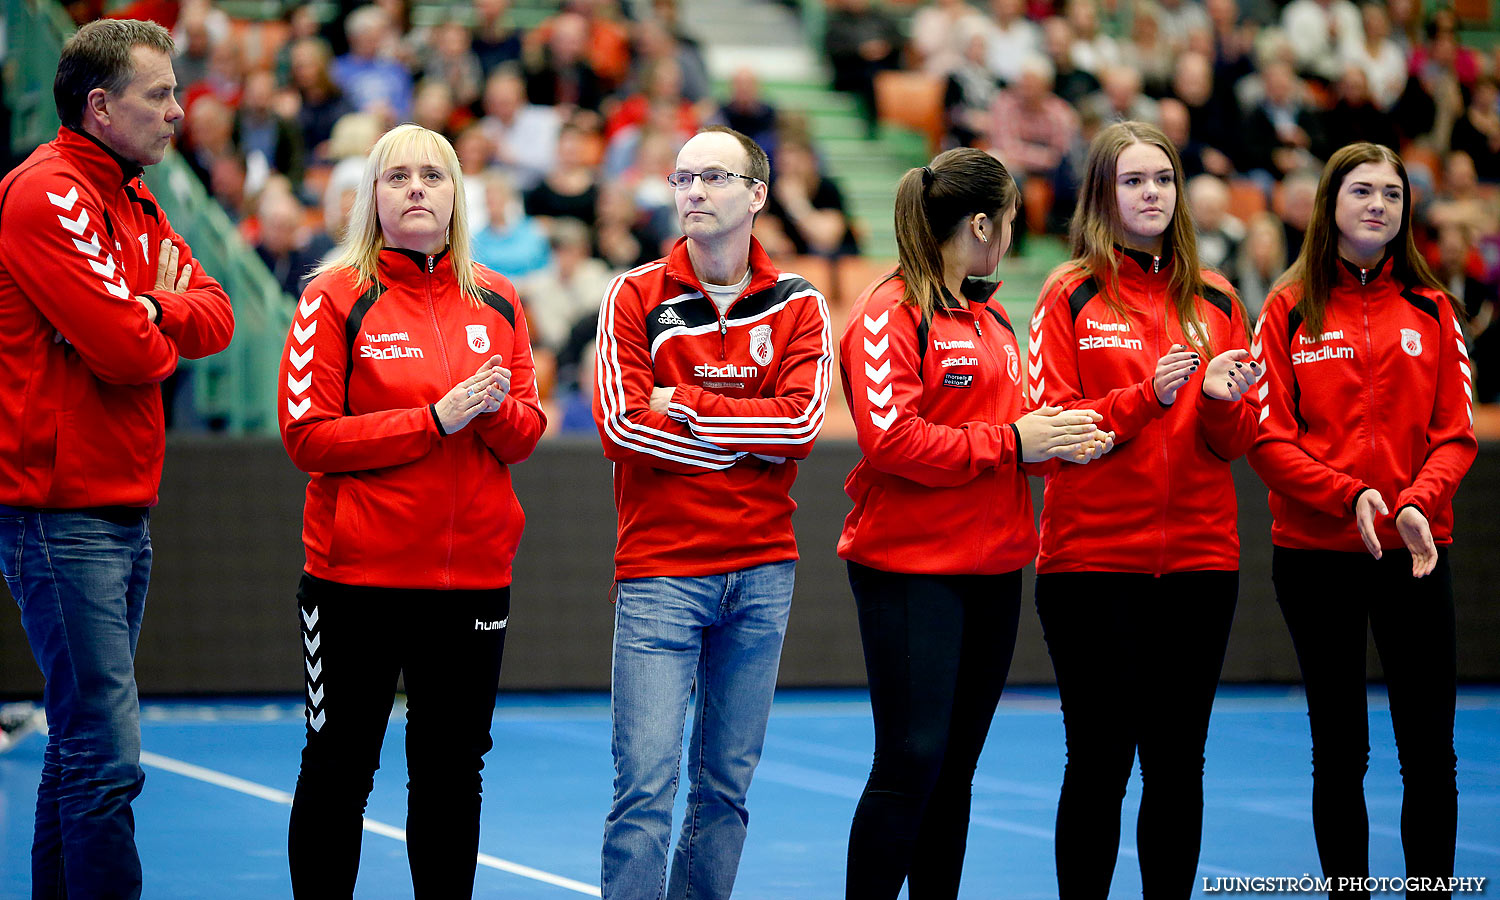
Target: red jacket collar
pixel 763 273
pixel 398 265
pixel 1351 274
pixel 1140 267
pixel 106 170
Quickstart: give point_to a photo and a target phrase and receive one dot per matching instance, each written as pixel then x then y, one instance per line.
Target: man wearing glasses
pixel 713 371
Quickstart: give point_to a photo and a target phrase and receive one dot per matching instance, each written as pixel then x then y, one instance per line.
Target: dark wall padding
pixel 221 615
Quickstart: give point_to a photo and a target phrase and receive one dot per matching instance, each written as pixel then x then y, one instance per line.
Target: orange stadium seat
pixel 913 100
pixel 1246 199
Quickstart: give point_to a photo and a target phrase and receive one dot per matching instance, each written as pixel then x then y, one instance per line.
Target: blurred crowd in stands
pixel 566 131
pixel 1255 94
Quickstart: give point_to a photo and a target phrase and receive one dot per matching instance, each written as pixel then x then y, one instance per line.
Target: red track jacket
pixel 1382 399
pixel 704 489
pixel 940 489
pixel 80 358
pixel 393 502
pixel 1163 500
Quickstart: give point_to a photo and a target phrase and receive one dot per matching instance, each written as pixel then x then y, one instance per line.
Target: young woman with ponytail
pixel 942 520
pixel 1367 429
pixel 1139 565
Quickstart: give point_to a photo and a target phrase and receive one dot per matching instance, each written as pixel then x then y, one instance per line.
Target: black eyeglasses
pixel 714 178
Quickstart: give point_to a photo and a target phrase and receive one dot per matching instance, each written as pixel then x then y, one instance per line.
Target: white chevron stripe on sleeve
pixel 1035 367
pixel 1264 411
pixel 1461 348
pixel 879 399
pixel 878 375
pixel 300 360
pixel 76 226
pixel 298 409
pixel 106 268
pixel 89 249
pixel 298 387
pixel 315 694
pixel 877 350
pixel 66 201
pixel 1036 390
pixel 877 325
pixel 303 334
pixel 307 309
pixel 883 422
pixel 314 669
pixel 120 289
pixel 311 621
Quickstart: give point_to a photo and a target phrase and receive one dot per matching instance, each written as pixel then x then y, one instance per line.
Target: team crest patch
pixel 1012 364
pixel 479 338
pixel 1411 341
pixel 760 344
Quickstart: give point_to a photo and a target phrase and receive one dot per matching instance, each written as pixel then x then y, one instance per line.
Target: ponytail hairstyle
pixel 1097 228
pixel 931 203
pixel 1317 264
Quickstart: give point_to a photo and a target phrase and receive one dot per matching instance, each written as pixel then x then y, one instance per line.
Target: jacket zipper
pixel 1166 460
pixel 723 335
pixel 1155 265
pixel 447 379
pixel 1370 382
pixel 994 416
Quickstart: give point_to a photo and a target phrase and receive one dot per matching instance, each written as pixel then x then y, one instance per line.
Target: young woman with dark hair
pixel 934 376
pixel 1138 571
pixel 1366 430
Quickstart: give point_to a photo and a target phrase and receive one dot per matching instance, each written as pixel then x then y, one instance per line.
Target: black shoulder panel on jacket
pixel 1220 300
pixel 1293 322
pixel 499 304
pixel 752 305
pixel 352 326
pixel 1001 319
pixel 146 206
pixel 1087 290
pixel 1425 304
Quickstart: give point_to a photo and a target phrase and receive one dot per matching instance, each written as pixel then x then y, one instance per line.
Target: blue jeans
pixel 80 580
pixel 722 633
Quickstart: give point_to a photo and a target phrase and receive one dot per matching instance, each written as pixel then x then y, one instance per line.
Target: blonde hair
pixel 359 252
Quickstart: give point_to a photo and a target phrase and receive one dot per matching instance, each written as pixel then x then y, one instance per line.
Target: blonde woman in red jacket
pixel 1139 565
pixel 407 390
pixel 935 380
pixel 1366 430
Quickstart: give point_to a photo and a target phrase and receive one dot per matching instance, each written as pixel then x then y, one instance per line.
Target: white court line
pixel 220 779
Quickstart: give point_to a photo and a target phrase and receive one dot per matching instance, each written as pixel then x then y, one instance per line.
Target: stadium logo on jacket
pixel 1411 341
pixel 760 344
pixel 479 339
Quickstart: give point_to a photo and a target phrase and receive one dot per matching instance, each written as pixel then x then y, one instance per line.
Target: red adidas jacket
pixel 1163 499
pixel 81 360
pixel 393 502
pixel 1382 399
pixel 940 489
pixel 704 489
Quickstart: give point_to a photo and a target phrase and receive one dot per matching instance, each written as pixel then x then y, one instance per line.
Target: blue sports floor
pixel 212 820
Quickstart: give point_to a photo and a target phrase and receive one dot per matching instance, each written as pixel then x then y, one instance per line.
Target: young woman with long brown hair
pixel 935 380
pixel 1367 429
pixel 1138 571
